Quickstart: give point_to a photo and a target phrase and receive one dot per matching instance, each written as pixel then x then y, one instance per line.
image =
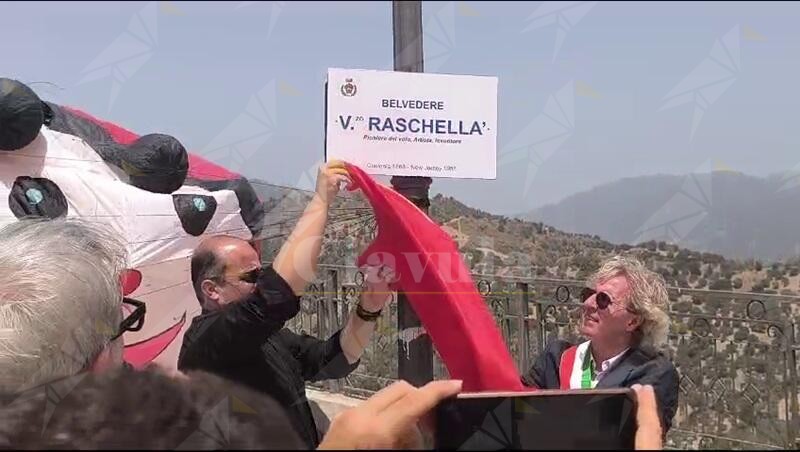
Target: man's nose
pixel 590 302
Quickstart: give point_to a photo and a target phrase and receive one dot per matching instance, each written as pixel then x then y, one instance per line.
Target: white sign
pixel 413 124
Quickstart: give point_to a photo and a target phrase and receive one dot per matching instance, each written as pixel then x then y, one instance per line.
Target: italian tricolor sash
pixel 576 370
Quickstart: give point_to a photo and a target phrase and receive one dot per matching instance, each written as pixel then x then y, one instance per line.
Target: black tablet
pixel 574 419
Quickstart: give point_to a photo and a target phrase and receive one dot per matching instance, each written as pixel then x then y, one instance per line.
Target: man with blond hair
pixel 625 325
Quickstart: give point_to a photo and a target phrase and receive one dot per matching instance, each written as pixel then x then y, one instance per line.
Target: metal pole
pixel 414 357
pixel 792 410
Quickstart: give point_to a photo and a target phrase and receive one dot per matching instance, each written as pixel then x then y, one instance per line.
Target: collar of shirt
pixel 608 364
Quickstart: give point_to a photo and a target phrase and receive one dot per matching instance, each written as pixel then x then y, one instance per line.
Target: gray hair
pixel 60 298
pixel 648 296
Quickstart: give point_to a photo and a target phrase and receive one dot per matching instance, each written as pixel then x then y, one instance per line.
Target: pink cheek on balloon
pixel 130 280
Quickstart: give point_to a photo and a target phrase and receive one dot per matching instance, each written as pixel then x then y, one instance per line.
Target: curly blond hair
pixel 648 296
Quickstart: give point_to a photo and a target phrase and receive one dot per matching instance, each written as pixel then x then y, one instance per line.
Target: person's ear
pixel 210 289
pixel 110 357
pixel 634 322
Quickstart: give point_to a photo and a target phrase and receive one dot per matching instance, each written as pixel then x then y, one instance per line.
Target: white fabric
pixel 607 365
pixel 580 354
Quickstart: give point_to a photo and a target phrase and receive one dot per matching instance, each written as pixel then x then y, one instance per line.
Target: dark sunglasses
pixel 603 300
pixel 251 276
pixel 135 321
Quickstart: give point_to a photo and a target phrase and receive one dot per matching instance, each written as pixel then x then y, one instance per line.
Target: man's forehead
pixel 221 244
pixel 237 252
pixel 617 285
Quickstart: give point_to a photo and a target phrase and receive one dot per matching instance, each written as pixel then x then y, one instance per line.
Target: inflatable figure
pixel 58 161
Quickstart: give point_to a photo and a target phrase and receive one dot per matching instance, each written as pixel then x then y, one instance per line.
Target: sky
pixel 589 92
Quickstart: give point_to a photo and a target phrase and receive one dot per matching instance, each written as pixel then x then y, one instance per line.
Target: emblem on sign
pixel 349 88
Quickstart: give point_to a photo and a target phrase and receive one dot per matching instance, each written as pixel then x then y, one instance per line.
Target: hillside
pixel 728 213
pixel 498 245
pixel 535 249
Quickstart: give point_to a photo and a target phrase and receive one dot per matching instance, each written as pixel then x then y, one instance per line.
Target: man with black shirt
pixel 240 334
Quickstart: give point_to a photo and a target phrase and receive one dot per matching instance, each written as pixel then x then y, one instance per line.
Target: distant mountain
pixel 727 213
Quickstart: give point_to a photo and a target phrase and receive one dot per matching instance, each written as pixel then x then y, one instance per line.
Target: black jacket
pixel 639 365
pixel 246 342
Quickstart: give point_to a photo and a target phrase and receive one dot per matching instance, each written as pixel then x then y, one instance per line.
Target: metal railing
pixel 736 353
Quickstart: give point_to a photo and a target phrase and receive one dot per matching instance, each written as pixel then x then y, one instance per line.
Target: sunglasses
pixel 135 321
pixel 603 300
pixel 251 276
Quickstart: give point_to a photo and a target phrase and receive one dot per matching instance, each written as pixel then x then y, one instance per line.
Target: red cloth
pixel 440 289
pixel 566 366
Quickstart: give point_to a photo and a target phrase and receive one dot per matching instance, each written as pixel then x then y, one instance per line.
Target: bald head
pixel 217 266
pixel 219 242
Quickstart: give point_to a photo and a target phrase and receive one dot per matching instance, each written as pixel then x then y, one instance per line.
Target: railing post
pixel 326 328
pixel 522 300
pixel 324 322
pixel 330 295
pixel 542 328
pixel 333 279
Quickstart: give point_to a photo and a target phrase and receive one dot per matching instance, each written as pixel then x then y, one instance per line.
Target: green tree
pixel 694 268
pixel 682 306
pixel 722 284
